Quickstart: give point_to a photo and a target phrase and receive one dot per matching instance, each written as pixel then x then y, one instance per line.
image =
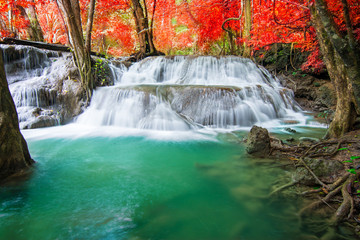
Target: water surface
pixel 136 187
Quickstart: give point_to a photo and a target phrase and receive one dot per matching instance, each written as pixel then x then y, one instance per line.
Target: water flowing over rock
pixel 44 84
pixel 182 93
pixel 159 93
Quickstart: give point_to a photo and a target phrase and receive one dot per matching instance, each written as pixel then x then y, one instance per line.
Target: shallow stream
pixel 199 185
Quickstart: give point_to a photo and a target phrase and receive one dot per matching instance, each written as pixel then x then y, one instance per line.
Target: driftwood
pixel 41 45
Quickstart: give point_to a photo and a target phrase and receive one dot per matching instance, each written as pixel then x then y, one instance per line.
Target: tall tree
pixel 29 14
pixel 247 27
pixel 342 59
pixel 144 33
pixel 35 33
pixel 14 153
pixel 71 11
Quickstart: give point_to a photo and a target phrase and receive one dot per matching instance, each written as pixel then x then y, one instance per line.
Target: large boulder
pixel 258 142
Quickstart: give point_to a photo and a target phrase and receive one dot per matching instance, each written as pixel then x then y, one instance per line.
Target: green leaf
pixel 316 188
pixel 354 157
pixel 349 161
pixel 340 149
pixel 356 181
pixel 351 170
pixel 357 191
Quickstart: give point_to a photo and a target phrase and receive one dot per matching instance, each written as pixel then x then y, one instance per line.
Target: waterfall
pixel 178 93
pixel 183 93
pixel 44 84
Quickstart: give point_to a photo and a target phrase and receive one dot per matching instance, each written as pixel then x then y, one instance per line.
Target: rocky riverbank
pixel 324 173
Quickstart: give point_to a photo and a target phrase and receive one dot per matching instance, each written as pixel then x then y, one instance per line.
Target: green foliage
pixel 187 51
pixel 325 114
pixel 341 149
pixel 181 28
pixel 354 157
pixel 348 161
pixel 352 170
pixel 101 72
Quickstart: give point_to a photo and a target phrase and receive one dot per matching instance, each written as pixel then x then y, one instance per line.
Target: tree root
pixel 346 208
pixel 312 151
pixel 334 185
pixel 283 187
pixel 347 205
pixel 342 207
pixel 313 174
pixel 319 202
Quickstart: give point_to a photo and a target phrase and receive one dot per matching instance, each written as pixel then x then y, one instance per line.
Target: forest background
pixel 206 27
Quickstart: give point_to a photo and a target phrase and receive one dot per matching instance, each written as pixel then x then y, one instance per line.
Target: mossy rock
pixel 326 170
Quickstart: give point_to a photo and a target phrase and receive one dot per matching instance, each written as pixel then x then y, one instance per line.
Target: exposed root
pixel 313 150
pixel 283 187
pixel 339 181
pixel 342 205
pixel 347 205
pixel 319 202
pixel 312 191
pixel 327 204
pixel 313 174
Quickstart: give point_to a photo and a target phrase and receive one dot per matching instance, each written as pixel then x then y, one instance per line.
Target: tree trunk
pixel 247 27
pixel 14 154
pixel 35 33
pixel 71 11
pixel 147 46
pixel 342 62
pixel 89 25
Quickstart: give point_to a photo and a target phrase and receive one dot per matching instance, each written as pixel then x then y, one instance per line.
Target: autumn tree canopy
pixel 184 26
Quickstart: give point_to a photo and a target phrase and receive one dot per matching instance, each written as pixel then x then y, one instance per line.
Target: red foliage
pixel 51 22
pixel 185 24
pixel 314 63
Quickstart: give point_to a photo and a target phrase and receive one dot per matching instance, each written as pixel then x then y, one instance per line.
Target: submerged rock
pixel 290 130
pixel 258 143
pixel 327 170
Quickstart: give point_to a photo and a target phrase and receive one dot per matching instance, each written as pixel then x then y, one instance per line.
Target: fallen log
pixel 41 45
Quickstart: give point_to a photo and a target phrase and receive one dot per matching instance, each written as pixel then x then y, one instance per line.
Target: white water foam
pixel 185 93
pixel 160 94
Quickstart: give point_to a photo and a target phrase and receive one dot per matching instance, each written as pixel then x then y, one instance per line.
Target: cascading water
pixel 43 85
pixel 159 93
pixel 182 93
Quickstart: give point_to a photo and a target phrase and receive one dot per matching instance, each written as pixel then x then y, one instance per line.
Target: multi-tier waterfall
pixel 181 93
pixel 159 93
